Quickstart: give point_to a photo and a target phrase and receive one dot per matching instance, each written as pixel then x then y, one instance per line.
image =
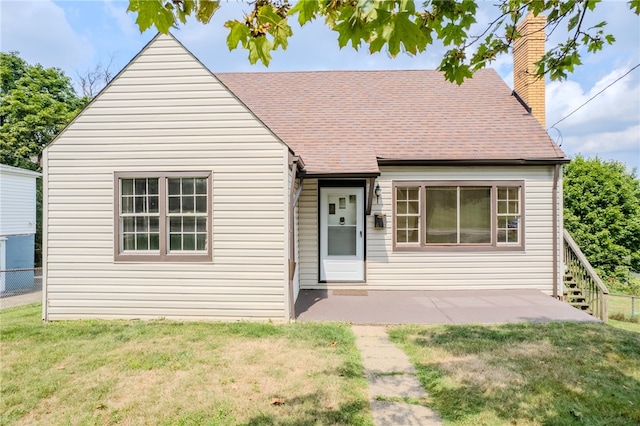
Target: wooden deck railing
pixel 586 277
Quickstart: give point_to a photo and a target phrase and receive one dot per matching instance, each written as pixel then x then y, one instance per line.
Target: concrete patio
pixel 434 307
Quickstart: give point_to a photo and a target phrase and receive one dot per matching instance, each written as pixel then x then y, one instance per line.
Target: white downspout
pixel 556 225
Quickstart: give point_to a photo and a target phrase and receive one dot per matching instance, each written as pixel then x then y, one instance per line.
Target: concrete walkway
pixel 391 377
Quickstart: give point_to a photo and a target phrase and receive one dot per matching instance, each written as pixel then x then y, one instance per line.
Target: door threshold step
pixel 349 292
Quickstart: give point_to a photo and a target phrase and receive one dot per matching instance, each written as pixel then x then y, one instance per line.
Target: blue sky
pixel 76 35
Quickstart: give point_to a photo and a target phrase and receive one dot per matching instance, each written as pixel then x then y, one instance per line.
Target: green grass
pixel 625 325
pixel 95 372
pixel 527 374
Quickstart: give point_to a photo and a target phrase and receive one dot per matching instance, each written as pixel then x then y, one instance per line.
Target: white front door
pixel 341 234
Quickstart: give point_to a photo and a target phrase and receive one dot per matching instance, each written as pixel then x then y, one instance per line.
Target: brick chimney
pixel 527 50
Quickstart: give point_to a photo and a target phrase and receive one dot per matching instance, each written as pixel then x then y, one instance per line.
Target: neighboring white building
pixel 17 226
pixel 180 193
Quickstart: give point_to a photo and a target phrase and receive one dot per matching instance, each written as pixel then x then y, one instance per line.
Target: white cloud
pixel 605 142
pixel 617 105
pixel 40 31
pixel 607 126
pixel 125 21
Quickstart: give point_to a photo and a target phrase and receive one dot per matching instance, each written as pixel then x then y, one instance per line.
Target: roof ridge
pixel 338 71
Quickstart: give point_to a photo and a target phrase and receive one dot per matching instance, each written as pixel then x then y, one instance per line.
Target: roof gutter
pixel 357 175
pixel 556 229
pixel 476 162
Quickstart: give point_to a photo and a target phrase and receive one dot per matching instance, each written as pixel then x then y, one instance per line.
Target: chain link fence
pixel 20 286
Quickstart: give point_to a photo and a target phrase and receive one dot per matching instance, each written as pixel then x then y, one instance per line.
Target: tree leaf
pixel 278 27
pixel 454 68
pixel 351 28
pixel 259 50
pixel 238 33
pixel 206 9
pixel 396 25
pixel 306 11
pixel 152 12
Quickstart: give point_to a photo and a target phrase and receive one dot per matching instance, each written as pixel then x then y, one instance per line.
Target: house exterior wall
pixel 19 254
pixel 166 112
pixel 451 270
pixel 17 201
pixel 17 226
pixel 308 235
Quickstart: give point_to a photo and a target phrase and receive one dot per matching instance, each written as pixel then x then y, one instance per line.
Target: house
pixel 17 227
pixel 180 193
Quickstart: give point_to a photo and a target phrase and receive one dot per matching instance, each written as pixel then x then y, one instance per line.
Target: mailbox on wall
pixel 379 221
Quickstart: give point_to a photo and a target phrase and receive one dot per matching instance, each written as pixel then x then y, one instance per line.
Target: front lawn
pixel 527 374
pixel 178 373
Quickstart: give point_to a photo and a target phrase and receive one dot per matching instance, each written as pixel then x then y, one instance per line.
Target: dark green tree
pixel 602 213
pixel 35 104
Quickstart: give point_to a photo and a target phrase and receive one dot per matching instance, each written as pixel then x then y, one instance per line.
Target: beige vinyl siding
pixel 438 270
pixel 166 112
pixel 308 235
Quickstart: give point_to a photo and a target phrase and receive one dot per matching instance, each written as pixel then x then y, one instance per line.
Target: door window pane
pixel 343 213
pixel 341 240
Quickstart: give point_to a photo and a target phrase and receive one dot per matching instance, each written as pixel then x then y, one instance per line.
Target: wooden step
pixel 583 306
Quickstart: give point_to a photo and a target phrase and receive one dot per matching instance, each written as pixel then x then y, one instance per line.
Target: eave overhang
pixel 339 175
pixel 475 162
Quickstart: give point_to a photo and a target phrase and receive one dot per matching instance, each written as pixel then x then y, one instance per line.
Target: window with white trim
pixel 509 215
pixel 163 216
pixel 187 214
pixel 139 215
pixel 458 214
